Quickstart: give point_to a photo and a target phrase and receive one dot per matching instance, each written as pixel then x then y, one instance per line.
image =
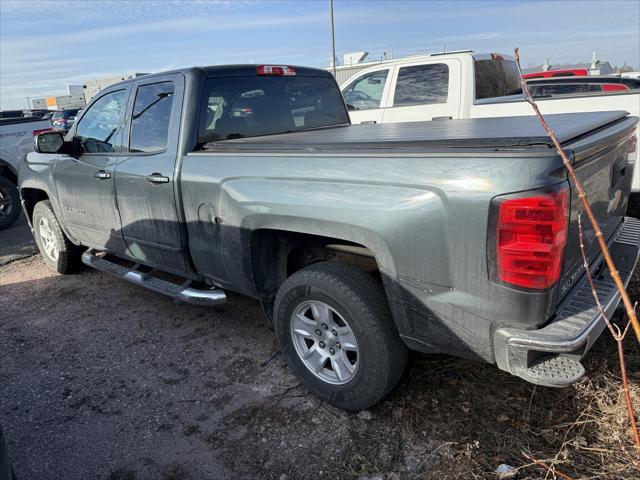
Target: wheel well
pixel 277 254
pixel 7 172
pixel 31 196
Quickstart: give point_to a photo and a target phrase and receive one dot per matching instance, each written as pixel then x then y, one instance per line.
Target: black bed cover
pixel 498 132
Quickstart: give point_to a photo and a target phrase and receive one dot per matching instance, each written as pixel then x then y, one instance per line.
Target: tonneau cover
pixel 499 132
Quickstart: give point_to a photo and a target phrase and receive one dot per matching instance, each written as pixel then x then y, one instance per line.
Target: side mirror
pixel 49 142
pixel 351 108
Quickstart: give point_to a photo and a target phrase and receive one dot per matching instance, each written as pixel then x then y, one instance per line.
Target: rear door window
pixel 365 93
pixel 151 117
pixel 422 85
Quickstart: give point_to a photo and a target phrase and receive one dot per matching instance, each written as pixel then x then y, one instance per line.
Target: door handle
pixel 157 178
pixel 102 175
pixel 368 122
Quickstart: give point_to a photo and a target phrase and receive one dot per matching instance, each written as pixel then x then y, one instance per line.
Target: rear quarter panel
pixel 425 219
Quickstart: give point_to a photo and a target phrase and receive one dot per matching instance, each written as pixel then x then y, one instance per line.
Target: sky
pixel 45 45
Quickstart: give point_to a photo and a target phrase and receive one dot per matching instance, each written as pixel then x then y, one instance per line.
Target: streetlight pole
pixel 333 40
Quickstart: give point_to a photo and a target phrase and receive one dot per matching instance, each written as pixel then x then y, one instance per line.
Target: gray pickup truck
pixel 361 242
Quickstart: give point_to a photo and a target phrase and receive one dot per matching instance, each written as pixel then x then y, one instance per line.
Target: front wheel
pixel 56 249
pixel 9 203
pixel 335 330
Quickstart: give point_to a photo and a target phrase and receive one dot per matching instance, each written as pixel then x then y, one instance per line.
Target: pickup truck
pixel 360 242
pixel 465 84
pixel 16 140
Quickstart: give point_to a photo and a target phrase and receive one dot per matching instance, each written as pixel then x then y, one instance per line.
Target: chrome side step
pixel 158 285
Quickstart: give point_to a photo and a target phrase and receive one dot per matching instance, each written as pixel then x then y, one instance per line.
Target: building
pixel 79 95
pixel 73 99
pixel 92 87
pixel 352 63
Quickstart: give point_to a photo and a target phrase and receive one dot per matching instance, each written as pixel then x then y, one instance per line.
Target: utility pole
pixel 333 40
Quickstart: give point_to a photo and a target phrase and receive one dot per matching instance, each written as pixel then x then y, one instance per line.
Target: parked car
pixel 582 85
pixel 16 140
pixel 11 114
pixel 464 85
pixel 63 119
pixel 360 242
pixel 559 73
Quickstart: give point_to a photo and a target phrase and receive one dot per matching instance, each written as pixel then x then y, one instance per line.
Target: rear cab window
pixel 495 76
pixel 239 107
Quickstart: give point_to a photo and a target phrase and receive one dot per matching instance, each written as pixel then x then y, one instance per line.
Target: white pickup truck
pixel 16 140
pixel 463 85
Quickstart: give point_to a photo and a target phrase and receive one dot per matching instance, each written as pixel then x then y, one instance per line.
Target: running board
pixel 158 285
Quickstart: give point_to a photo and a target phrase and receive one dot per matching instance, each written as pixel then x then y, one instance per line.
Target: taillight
pixel 275 70
pixel 530 239
pixel 42 130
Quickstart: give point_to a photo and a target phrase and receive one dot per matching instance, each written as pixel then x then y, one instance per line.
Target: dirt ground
pixel 100 379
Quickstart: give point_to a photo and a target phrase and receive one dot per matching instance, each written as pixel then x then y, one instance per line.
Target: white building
pixel 73 99
pixel 92 87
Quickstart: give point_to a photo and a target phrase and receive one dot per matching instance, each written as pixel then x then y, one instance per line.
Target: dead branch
pixel 583 198
pixel 617 335
pixel 552 470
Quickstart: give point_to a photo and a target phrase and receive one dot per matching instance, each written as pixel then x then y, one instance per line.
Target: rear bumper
pixel 577 325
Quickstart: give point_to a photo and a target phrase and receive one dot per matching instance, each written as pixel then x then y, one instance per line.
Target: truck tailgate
pixel 604 162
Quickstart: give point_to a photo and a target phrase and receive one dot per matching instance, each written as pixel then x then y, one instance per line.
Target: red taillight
pixel 42 130
pixel 275 70
pixel 531 235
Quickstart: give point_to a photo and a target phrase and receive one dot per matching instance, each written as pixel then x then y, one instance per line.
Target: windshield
pixel 238 107
pixel 496 78
pixel 58 115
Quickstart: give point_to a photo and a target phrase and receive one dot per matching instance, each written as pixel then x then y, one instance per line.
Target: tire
pixel 56 249
pixel 356 312
pixel 9 203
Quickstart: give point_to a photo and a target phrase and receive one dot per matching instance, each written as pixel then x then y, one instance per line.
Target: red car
pixel 567 72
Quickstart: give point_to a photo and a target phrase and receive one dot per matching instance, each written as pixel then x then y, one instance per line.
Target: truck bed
pixel 500 132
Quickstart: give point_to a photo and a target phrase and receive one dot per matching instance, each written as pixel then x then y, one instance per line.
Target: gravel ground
pixel 104 380
pixel 16 242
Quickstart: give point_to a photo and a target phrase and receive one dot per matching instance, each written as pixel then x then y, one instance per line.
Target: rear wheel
pixel 336 333
pixel 56 249
pixel 9 203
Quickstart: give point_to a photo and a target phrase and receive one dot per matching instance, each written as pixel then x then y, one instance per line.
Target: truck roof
pixel 240 70
pixel 498 132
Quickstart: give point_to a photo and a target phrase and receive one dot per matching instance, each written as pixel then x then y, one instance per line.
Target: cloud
pixel 48 44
